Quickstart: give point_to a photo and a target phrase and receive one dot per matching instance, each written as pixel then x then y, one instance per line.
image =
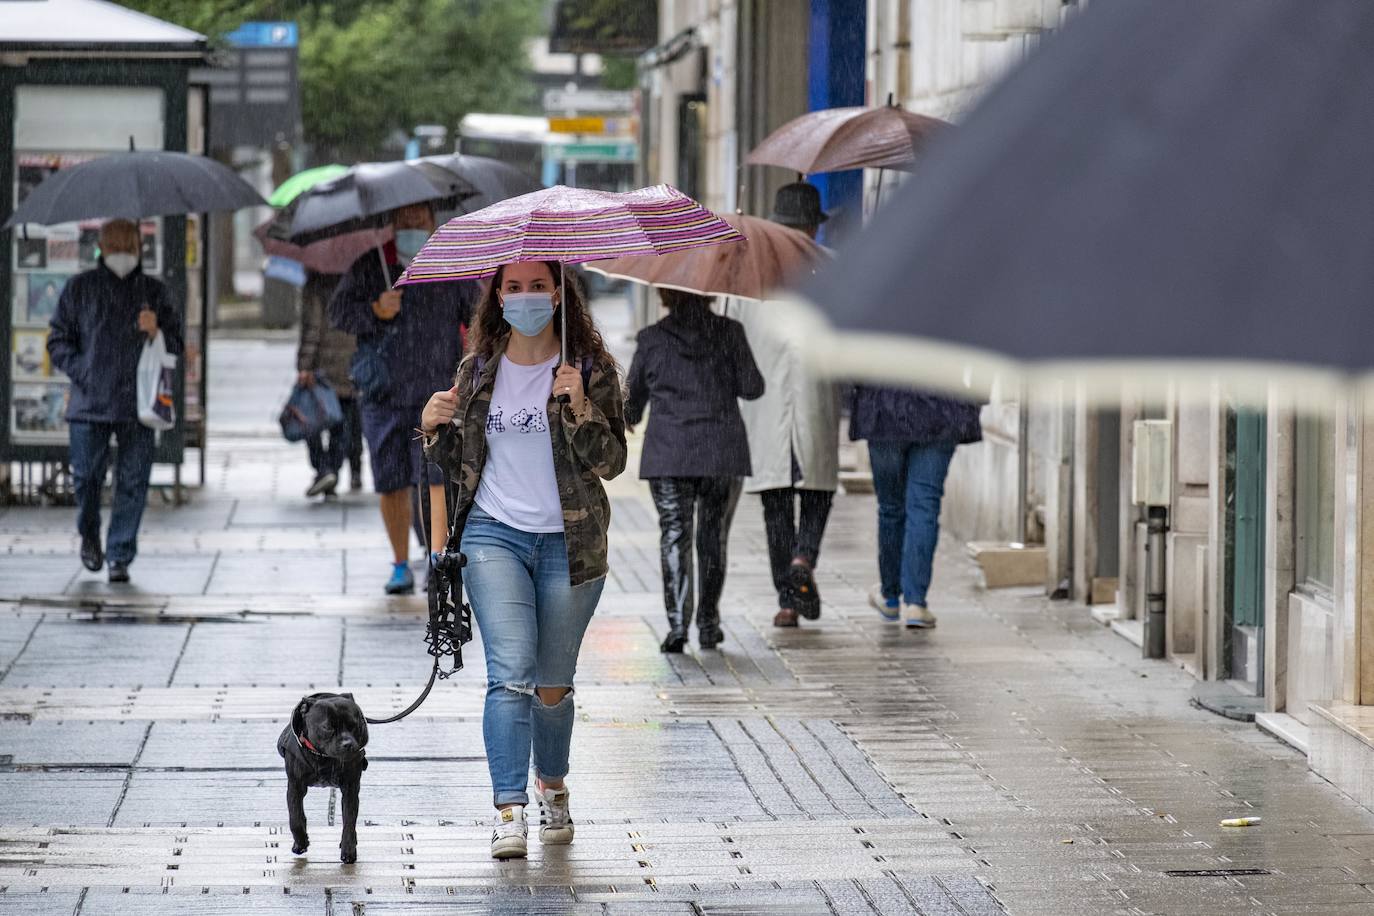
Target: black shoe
pixel 119 572
pixel 807 600
pixel 674 642
pixel 355 477
pixel 92 557
pixel 324 483
pixel 710 637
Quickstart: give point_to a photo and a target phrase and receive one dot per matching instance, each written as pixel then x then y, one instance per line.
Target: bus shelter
pixel 80 79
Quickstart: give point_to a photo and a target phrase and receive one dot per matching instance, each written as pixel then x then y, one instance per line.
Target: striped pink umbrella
pixel 570 225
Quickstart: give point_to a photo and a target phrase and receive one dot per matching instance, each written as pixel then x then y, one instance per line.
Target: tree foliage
pixel 369 68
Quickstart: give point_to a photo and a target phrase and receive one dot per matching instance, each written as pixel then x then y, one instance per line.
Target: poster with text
pixel 37 412
pixel 30 357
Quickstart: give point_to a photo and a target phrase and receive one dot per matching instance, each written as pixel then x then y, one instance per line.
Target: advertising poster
pixel 37 410
pixel 30 359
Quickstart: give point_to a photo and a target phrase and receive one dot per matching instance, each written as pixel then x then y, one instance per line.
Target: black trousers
pixel 791 535
pixel 703 506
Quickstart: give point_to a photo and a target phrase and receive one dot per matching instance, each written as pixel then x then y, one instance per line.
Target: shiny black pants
pixel 792 534
pixel 704 506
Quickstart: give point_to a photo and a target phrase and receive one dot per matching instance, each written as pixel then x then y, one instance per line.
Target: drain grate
pixel 1216 872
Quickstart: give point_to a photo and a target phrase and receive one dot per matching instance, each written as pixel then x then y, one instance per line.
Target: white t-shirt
pixel 518 484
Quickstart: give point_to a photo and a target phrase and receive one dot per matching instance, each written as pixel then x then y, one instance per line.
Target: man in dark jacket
pixel 325 354
pixel 911 440
pixel 102 321
pixel 692 367
pixel 415 333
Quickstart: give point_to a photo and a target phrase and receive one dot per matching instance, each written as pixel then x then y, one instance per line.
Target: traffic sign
pixel 577 125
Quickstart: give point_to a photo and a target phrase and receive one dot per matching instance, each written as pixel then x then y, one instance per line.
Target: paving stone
pixel 84 798
pixel 75 653
pixel 70 744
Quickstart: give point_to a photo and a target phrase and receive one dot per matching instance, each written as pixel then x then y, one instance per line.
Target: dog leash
pixel 450 618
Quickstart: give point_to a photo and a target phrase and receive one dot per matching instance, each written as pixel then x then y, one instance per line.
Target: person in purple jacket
pixel 911 437
pixel 416 334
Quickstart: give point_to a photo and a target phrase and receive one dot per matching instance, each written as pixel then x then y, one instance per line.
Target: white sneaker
pixel 510 836
pixel 913 615
pixel 879 604
pixel 555 820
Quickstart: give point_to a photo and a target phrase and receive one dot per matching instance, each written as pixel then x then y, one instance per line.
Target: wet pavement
pixel 1016 758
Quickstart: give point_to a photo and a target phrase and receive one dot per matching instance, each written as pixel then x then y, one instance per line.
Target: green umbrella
pixel 301 182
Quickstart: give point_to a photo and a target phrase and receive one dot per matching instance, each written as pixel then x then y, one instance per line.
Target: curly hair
pixel 489 326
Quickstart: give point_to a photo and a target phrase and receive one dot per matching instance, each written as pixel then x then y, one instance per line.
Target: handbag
pixel 368 369
pixel 309 411
pixel 156 384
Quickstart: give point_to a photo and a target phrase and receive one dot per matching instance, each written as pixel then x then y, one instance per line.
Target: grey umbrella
pixel 493 180
pixel 364 199
pixel 1165 180
pixel 135 185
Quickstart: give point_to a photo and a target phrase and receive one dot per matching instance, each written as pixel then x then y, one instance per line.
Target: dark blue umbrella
pixel 1164 180
pixel 135 185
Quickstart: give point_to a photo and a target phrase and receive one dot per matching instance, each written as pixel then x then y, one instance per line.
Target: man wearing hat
pixel 798 206
pixel 794 432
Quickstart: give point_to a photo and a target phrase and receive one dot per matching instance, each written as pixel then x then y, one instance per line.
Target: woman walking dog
pixel 527 443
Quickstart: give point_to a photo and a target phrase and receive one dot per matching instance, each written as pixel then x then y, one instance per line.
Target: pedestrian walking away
pixel 794 432
pixel 690 369
pixel 325 354
pixel 911 437
pixel 408 342
pixel 102 320
pixel 527 442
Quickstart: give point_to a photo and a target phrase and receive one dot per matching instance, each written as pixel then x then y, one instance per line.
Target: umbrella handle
pixel 563 320
pixel 381 259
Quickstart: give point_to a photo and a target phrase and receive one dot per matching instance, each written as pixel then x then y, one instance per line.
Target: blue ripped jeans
pixel 532 622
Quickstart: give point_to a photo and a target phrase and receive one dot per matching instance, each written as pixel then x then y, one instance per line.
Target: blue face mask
pixel 409 242
pixel 528 313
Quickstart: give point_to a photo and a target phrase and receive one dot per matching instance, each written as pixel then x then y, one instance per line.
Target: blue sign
pixel 264 35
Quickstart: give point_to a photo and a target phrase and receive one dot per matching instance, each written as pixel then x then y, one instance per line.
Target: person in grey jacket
pixel 325 354
pixel 691 368
pixel 102 320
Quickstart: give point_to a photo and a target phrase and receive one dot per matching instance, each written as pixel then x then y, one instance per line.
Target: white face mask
pixel 121 265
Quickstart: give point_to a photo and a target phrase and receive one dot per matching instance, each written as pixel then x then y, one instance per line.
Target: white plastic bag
pixel 156 384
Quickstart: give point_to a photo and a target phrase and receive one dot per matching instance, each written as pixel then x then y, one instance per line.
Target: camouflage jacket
pixel 586 450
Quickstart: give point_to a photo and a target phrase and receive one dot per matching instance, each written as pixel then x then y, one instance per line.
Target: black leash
pixel 450 618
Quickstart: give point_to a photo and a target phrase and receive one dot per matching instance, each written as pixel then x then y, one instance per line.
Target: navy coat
pixel 907 415
pixel 692 367
pixel 423 343
pixel 95 340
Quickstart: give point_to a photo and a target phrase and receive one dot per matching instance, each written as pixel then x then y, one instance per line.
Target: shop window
pixel 1315 502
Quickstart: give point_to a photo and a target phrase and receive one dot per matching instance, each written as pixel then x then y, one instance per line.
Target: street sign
pixel 264 35
pixel 577 125
pixel 596 152
pixel 585 101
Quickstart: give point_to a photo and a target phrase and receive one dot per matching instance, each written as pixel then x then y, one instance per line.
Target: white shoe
pixel 879 604
pixel 555 820
pixel 510 835
pixel 913 615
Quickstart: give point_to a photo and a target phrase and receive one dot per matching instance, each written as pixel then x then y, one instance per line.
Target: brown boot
pixel 785 618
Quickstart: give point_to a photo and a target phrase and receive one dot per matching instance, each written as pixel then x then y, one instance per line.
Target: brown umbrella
pixel 771 256
pixel 836 139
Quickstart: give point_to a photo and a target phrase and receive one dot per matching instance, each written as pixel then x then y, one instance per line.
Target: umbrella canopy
pixel 292 187
pixel 333 255
pixel 136 185
pixel 364 198
pixel 570 225
pixel 836 139
pixel 493 180
pixel 770 257
pixel 1161 181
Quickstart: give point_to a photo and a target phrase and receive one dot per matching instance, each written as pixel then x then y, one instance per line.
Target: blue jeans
pixel 532 622
pixel 910 482
pixel 89 453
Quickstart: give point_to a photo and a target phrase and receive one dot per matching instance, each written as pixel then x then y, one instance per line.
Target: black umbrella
pixel 364 199
pixel 493 180
pixel 1165 180
pixel 135 185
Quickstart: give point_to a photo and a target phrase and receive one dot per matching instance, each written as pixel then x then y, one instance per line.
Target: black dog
pixel 323 746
